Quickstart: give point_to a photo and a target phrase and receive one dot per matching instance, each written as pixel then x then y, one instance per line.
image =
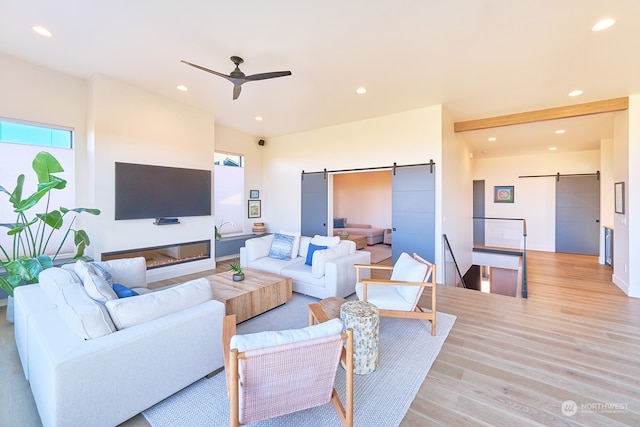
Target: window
pixel 228 193
pixel 34 134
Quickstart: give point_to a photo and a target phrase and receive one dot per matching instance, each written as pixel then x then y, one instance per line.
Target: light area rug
pixel 406 352
pixel 378 252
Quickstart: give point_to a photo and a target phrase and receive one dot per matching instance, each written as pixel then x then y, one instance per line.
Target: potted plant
pixel 238 273
pixel 29 253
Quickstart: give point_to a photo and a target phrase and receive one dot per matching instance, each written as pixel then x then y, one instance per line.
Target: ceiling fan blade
pixel 270 75
pixel 236 91
pixel 207 70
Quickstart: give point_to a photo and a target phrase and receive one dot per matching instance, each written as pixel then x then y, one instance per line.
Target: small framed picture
pixel 503 194
pixel 254 194
pixel 255 209
pixel 619 196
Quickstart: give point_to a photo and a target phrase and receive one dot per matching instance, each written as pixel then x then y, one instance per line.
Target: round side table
pixel 364 318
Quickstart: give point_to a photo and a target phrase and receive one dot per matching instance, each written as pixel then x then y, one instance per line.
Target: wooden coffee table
pixel 258 292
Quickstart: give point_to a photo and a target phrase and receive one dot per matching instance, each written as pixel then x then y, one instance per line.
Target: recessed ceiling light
pixel 493 138
pixel 553 148
pixel 182 88
pixel 603 24
pixel 42 31
pixel 361 91
pixel 258 118
pixel 576 92
pixel 559 131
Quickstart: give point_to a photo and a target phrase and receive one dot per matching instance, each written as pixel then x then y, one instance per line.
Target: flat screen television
pixel 147 191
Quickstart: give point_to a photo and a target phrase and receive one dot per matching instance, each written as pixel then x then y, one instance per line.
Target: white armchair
pixel 399 296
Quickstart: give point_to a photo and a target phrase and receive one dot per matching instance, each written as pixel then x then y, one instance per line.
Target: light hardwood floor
pixel 506 362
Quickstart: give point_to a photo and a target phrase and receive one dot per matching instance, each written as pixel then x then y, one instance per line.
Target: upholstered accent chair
pixel 274 373
pixel 399 296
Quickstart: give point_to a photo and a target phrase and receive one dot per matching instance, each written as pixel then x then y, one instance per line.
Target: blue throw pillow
pixel 311 250
pixel 281 246
pixel 122 291
pixel 339 222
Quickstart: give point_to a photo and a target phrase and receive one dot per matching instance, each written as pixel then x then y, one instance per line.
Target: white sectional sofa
pixel 99 364
pixel 331 273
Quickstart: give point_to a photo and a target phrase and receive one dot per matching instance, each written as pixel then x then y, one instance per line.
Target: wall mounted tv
pixel 146 191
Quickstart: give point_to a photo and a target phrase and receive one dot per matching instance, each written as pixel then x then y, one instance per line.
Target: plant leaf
pixel 29 202
pixel 80 210
pixel 53 219
pixel 16 196
pixel 44 164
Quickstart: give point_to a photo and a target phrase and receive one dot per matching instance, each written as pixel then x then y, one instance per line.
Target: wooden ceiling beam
pixel 606 106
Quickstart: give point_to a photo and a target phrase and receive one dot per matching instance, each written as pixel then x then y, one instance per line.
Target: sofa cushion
pixel 86 317
pixel 97 287
pixel 127 312
pixel 312 249
pixel 407 269
pixel 281 246
pixel 53 279
pixel 321 257
pixel 339 222
pixel 328 241
pixel 267 339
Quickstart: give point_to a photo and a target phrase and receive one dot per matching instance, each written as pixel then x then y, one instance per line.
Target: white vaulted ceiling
pixel 478 58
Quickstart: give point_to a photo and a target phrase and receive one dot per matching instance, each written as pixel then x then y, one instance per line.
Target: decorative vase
pixel 10 309
pixel 238 277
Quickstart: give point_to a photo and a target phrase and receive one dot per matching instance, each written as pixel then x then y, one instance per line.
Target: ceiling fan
pixel 237 77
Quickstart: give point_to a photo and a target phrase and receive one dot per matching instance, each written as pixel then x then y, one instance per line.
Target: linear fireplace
pixel 162 256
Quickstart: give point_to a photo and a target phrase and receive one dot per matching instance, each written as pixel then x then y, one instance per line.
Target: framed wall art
pixel 255 209
pixel 619 196
pixel 254 194
pixel 503 194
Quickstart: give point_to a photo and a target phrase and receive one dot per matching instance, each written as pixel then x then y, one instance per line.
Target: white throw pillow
pixel 258 247
pixel 296 242
pixel 127 312
pixel 407 269
pixel 328 241
pixel 267 339
pixel 304 246
pixel 97 287
pixel 86 317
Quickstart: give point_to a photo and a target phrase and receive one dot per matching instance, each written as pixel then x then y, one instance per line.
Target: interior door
pixel 413 211
pixel 314 204
pixel 578 214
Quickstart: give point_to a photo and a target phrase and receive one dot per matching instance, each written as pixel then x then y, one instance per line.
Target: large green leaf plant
pixel 29 254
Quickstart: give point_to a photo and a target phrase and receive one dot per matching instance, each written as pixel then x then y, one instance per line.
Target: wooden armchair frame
pixel 233 358
pixel 416 312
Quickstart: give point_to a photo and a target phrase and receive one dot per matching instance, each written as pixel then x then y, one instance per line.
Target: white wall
pixel 606 191
pixel 457 197
pixel 405 138
pixel 35 94
pixel 632 196
pixel 534 198
pixel 233 141
pixel 134 126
